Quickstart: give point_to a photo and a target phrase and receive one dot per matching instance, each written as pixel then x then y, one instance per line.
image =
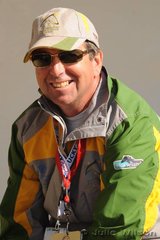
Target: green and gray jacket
pixel 115 193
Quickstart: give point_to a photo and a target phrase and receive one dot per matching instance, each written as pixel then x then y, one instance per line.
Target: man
pixel 85 156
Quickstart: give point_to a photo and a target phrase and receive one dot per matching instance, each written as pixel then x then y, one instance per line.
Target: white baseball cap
pixel 61 28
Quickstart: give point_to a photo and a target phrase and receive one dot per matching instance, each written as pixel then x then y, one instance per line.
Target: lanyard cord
pixel 67 168
pixel 67 171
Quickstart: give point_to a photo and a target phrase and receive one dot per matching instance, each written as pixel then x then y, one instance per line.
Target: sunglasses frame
pixel 60 56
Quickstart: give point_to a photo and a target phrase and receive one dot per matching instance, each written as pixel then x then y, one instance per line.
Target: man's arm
pixel 127 208
pixel 21 212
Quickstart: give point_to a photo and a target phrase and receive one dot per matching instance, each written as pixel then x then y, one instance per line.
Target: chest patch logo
pixel 127 162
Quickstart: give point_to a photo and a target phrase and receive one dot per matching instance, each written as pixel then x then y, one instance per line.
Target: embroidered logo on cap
pixel 127 162
pixel 50 24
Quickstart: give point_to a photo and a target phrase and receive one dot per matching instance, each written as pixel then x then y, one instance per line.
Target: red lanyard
pixel 62 165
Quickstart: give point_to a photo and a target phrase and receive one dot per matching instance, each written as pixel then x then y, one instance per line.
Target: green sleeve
pixel 121 207
pixel 21 216
pixel 9 229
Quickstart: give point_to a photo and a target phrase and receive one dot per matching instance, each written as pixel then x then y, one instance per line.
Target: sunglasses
pixel 45 59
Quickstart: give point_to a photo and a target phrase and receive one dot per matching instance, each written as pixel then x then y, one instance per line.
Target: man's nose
pixel 56 67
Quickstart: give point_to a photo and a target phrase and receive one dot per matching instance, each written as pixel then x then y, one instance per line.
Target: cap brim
pixel 62 43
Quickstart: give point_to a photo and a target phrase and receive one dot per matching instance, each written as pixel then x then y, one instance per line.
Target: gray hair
pixel 93 47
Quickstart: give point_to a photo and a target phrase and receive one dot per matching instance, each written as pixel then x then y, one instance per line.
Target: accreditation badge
pixel 53 234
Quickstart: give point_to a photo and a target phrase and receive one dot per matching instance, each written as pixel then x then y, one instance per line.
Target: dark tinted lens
pixel 71 56
pixel 41 59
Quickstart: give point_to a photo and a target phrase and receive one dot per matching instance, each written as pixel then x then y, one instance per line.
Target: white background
pixel 129 32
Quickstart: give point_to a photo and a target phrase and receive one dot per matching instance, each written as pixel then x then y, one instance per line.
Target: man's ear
pixel 98 62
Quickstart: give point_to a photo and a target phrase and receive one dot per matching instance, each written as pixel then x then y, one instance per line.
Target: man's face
pixel 70 86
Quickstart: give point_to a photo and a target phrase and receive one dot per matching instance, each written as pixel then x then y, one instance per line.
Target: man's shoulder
pixel 30 110
pixel 129 100
pixel 30 121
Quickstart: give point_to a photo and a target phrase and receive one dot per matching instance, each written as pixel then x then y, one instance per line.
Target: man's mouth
pixel 61 84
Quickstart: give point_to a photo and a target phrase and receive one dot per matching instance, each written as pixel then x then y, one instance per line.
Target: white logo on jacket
pixel 127 162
